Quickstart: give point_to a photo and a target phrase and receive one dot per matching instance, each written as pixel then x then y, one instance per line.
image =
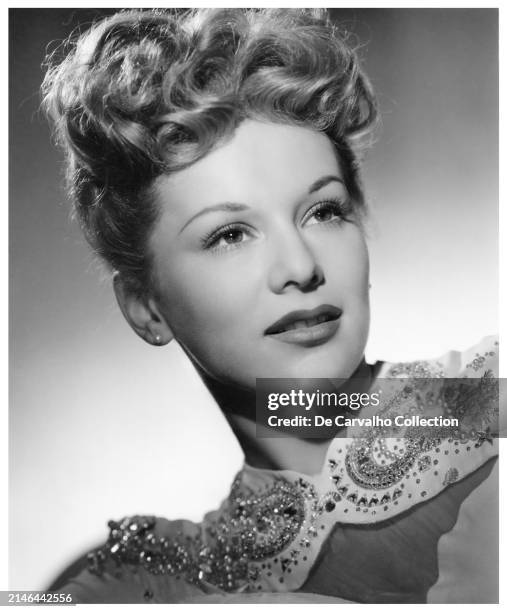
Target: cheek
pixel 207 298
pixel 346 263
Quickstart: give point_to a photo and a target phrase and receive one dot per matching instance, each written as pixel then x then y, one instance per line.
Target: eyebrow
pixel 235 207
pixel 323 181
pixel 227 206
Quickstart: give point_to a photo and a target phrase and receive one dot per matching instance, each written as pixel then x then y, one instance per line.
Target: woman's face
pixel 260 264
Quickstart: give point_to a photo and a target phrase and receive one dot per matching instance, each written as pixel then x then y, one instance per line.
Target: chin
pixel 328 366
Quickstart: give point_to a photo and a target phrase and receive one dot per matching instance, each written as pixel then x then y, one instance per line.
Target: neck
pixel 304 455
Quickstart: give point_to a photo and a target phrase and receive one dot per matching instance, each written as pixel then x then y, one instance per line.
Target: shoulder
pixel 145 559
pixel 466 383
pixel 473 362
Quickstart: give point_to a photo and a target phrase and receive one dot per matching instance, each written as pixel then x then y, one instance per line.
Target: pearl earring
pixel 158 339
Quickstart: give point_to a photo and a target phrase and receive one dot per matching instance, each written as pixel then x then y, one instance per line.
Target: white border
pixel 4 229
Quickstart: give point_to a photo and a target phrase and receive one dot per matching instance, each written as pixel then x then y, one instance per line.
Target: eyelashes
pixel 227 236
pixel 327 213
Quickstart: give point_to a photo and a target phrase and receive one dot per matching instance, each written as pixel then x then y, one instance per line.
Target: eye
pixel 227 237
pixel 328 211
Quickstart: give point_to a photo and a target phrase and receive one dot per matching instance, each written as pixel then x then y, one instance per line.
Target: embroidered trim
pixel 259 540
pixel 254 527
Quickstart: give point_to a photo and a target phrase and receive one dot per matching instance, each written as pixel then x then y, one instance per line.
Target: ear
pixel 142 313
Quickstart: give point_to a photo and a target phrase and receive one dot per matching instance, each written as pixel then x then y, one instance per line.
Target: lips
pixel 306 327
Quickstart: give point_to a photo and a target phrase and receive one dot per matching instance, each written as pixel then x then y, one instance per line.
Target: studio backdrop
pixel 103 425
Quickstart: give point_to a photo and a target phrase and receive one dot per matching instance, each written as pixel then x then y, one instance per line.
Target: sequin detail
pixel 451 476
pixel 364 470
pixel 260 539
pixel 416 369
pixel 371 463
pixel 252 528
pixel 479 360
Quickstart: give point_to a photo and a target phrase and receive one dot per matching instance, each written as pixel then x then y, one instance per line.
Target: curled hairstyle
pixel 147 92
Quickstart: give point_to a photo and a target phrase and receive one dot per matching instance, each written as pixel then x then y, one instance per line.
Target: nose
pixel 294 264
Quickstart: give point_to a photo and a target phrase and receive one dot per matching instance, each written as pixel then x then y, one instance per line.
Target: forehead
pixel 261 161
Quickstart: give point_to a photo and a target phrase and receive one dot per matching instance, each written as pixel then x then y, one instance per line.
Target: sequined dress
pixel 385 521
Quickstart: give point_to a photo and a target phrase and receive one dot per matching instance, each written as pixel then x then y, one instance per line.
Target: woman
pixel 213 162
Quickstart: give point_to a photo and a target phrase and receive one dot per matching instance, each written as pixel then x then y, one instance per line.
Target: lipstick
pixel 306 327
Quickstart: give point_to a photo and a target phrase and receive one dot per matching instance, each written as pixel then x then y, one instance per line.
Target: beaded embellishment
pixel 259 539
pixel 253 528
pixel 371 464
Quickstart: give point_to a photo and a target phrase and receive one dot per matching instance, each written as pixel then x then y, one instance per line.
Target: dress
pixel 415 522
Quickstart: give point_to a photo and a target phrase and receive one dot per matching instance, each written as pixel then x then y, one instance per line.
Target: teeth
pixel 302 323
pixel 306 322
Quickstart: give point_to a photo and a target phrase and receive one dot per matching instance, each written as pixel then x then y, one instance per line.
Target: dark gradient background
pixel 102 425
